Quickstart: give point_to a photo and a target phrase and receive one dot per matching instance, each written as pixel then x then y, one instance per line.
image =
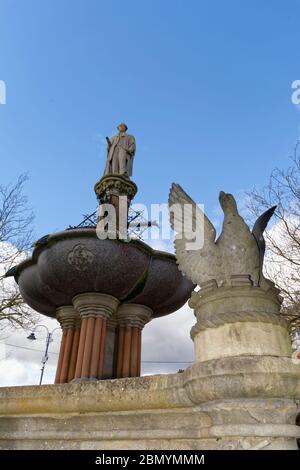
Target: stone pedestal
pixel 117 191
pixel 238 320
pixel 243 365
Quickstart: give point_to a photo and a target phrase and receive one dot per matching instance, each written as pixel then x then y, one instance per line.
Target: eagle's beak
pixel 221 195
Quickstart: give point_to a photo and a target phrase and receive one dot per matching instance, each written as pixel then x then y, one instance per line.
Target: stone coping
pixel 150 392
pixel 228 378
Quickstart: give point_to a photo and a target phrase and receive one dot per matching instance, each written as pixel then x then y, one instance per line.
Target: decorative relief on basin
pixel 80 257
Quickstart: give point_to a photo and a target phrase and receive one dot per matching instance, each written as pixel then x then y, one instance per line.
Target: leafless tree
pixel 16 220
pixel 282 262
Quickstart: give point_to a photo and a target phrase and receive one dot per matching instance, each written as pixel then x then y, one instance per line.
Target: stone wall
pixel 238 404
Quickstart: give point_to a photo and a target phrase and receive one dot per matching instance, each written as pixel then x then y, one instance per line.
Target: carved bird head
pixel 227 202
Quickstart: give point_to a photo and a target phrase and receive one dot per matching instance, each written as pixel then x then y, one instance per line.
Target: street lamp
pixel 49 339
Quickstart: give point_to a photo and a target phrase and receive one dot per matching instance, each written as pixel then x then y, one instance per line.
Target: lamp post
pixel 49 339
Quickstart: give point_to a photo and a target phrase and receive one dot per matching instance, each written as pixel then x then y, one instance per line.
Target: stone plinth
pixel 238 320
pixel 243 365
pixel 111 186
pixel 118 191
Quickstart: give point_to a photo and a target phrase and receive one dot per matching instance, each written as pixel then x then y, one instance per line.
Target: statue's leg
pixel 107 167
pixel 115 164
pixel 129 166
pixel 122 163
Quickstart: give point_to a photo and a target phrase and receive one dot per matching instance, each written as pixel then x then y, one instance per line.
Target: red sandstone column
pixel 67 355
pixel 102 348
pixel 60 357
pixel 94 310
pixel 139 354
pixel 109 365
pixel 127 351
pixel 135 352
pixel 67 317
pixel 86 361
pixel 119 350
pixel 131 319
pixel 80 348
pixel 74 351
pixel 95 358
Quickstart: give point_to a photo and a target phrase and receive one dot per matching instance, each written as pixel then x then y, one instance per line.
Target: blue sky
pixel 205 86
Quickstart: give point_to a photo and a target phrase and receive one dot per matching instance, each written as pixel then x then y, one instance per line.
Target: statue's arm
pixel 108 143
pixel 132 146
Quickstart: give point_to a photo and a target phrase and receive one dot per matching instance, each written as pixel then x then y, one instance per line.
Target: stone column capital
pixel 114 185
pixel 93 304
pixel 134 315
pixel 67 316
pixel 111 323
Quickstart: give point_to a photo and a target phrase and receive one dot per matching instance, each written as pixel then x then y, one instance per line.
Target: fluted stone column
pixel 242 365
pixel 94 309
pixel 74 352
pixel 69 320
pixel 131 319
pixel 110 348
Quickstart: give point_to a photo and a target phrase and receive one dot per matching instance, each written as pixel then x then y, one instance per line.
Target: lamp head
pixel 32 336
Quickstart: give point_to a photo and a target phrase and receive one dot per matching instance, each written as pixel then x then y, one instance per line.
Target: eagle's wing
pixel 258 233
pixel 197 263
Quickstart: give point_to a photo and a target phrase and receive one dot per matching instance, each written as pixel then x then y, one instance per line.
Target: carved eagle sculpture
pixel 236 251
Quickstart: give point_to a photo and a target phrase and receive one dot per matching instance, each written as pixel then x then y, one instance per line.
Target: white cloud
pixel 162 245
pixel 167 340
pixel 13 372
pixel 22 357
pixel 16 372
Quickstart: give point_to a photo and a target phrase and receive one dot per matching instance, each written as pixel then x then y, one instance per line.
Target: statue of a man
pixel 120 153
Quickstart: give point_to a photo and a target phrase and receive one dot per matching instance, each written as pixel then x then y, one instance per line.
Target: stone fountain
pixel 241 392
pixel 102 291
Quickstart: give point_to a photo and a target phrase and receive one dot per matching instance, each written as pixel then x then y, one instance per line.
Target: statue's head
pixel 122 127
pixel 227 202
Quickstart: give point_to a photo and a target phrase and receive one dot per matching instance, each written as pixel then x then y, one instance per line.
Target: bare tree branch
pixel 16 220
pixel 282 261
